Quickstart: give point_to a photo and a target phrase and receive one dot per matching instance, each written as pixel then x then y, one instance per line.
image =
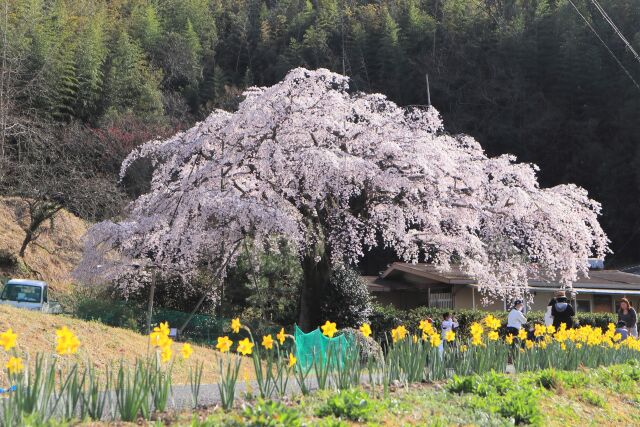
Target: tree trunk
pixel 316 280
pixel 27 239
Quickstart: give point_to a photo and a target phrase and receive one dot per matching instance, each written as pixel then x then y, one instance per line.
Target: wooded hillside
pixel 84 81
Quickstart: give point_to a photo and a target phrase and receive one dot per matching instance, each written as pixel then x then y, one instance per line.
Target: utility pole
pixel 150 304
pixel 428 91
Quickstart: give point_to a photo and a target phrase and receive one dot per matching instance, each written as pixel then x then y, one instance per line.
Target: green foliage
pixel 593 398
pixel 130 83
pixel 353 405
pixel 347 300
pixel 533 65
pixel 497 393
pixel 271 414
pixel 485 385
pixel 264 286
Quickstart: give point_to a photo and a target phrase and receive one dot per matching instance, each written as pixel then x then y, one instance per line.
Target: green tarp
pixel 315 344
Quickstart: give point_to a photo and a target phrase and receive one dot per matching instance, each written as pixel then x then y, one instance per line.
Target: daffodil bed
pixel 59 389
pixel 601 396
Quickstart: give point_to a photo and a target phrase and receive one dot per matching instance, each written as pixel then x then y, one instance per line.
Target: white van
pixel 28 294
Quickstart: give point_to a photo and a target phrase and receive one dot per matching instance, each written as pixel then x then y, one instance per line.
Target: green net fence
pixel 316 345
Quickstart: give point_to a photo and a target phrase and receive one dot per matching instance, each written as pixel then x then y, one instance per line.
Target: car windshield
pixel 21 293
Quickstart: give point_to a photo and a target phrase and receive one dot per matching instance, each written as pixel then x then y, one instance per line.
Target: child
pixel 621 328
pixel 449 323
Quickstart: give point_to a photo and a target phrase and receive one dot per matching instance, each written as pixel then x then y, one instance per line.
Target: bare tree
pixel 60 172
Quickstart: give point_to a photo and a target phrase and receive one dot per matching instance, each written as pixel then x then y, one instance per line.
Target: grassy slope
pixel 101 344
pixel 56 251
pixel 604 396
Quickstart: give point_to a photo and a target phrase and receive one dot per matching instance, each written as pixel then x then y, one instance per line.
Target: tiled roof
pixel 601 279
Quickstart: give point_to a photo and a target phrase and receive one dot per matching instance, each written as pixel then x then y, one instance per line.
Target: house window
pixel 583 306
pixel 602 303
pixel 440 298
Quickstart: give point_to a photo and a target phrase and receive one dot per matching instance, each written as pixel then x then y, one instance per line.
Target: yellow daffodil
pixel 579 345
pixel 476 329
pixel 281 336
pixel 450 336
pixel 529 344
pixel 563 346
pixel 542 344
pixel 165 354
pixel 329 329
pixel 492 322
pixel 426 327
pixel 476 340
pixel 67 342
pixel 224 344
pixel 14 365
pixel 8 339
pixel 493 335
pixel 617 337
pixel 159 339
pixel 463 348
pixel 236 325
pixel 292 360
pixel 399 333
pixel 435 340
pixel 365 329
pixel 186 351
pixel 267 342
pixel 163 329
pixel 509 339
pixel 522 334
pixel 539 330
pixel 245 347
pixel 551 329
pixel 414 338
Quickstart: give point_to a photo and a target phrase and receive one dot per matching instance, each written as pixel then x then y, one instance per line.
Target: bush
pixel 353 405
pixel 522 406
pixel 347 300
pixel 8 260
pixel 271 414
pixel 369 348
pixel 593 399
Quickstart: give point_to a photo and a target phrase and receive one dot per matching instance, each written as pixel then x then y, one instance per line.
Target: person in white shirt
pixel 449 323
pixel 516 320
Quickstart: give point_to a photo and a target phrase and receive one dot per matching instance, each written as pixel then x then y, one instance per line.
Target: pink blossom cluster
pixel 310 161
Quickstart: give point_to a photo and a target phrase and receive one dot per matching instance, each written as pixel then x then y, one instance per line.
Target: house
pixel 408 286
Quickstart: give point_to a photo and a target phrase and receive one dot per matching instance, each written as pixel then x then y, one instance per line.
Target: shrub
pixel 548 379
pixel 8 260
pixel 485 385
pixel 353 405
pixel 522 406
pixel 593 398
pixel 347 300
pixel 271 414
pixel 369 348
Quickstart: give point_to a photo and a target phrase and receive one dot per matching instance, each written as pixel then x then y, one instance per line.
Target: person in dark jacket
pixel 562 312
pixel 628 315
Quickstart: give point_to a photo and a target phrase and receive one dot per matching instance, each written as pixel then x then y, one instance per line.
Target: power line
pixel 605 45
pixel 616 29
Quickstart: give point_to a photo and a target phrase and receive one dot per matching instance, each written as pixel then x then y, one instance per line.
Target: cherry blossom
pixel 335 173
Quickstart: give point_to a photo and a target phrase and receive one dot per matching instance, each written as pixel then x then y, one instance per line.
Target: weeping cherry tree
pixel 337 173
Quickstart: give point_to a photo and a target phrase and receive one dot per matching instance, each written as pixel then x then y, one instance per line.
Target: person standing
pixel 449 323
pixel 562 311
pixel 628 315
pixel 515 319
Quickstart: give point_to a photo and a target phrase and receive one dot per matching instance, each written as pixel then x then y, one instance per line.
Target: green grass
pixel 544 398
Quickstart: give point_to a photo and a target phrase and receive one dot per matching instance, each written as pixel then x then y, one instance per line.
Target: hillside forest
pixel 82 82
